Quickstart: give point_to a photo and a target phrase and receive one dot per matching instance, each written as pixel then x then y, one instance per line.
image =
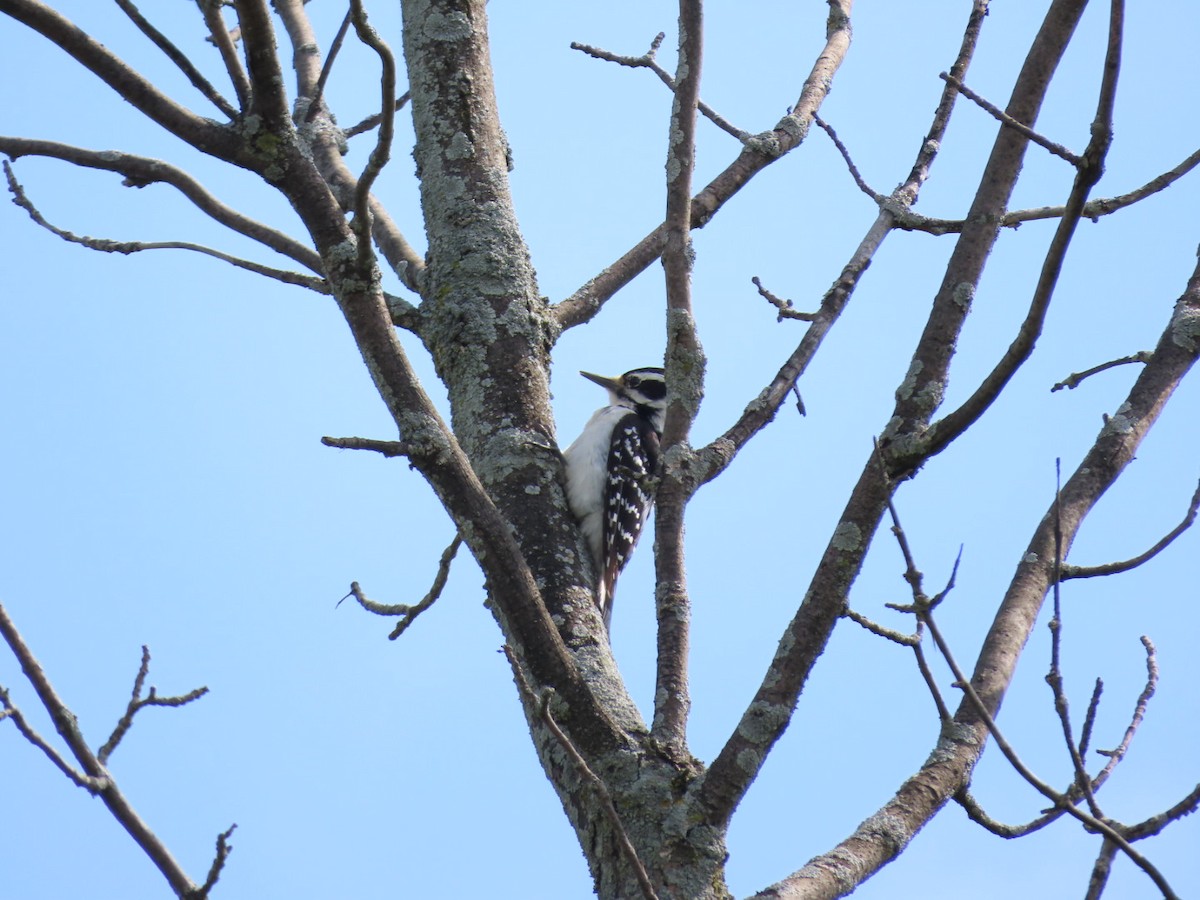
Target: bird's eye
pixel 632 381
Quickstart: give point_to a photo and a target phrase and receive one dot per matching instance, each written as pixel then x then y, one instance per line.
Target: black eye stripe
pixel 653 390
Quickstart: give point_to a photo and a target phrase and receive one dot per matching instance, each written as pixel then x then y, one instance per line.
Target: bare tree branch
pixel 204 134
pixel 435 590
pixel 1069 572
pixel 785 307
pixel 907 640
pixel 373 121
pixel 91 784
pixel 140 171
pixel 635 794
pixel 1054 677
pixel 224 848
pixel 806 635
pixel 1155 824
pixel 1139 713
pixel 881 836
pixel 762 409
pixel 976 813
pixel 1059 800
pixel 314 102
pixel 1009 122
pixel 594 781
pixel 1089 718
pixel 137 702
pixel 409 613
pixel 923 607
pixel 889 634
pixel 107 245
pixel 1100 870
pixel 268 99
pixel 326 141
pixel 1088 173
pixel 178 57
pixel 219 34
pixel 374 606
pixel 95 777
pixel 758 153
pixel 383 144
pixel 685 388
pixel 386 448
pixel 648 61
pixel 1093 209
pixel 854 173
pixel 1073 380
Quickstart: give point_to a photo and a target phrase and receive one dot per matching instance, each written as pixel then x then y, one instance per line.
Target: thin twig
pixel 785 308
pixel 799 400
pixel 1089 718
pixel 1100 870
pixel 606 800
pixel 435 590
pixel 373 121
pixel 95 777
pixel 896 637
pixel 907 640
pixel 944 714
pixel 1072 381
pixel 1139 712
pixel 1054 677
pixel 854 173
pixel 409 613
pixel 224 848
pixel 178 57
pixel 314 102
pixel 542 706
pixel 140 171
pixel 1009 122
pixel 648 61
pixel 1155 824
pixel 93 784
pixel 1069 572
pixel 762 150
pixel 219 34
pixel 1088 172
pixel 1092 210
pixel 976 813
pixel 138 702
pixel 912 574
pixel 386 448
pixel 373 606
pixel 920 600
pixel 383 145
pixel 1059 800
pixel 108 245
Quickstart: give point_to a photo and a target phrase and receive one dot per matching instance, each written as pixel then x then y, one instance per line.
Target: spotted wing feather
pixel 629 494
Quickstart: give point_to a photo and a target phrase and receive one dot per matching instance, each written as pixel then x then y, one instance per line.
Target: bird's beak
pixel 611 384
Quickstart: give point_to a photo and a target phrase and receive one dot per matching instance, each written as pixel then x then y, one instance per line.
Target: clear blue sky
pixel 164 481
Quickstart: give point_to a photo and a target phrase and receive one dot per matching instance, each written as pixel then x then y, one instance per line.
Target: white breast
pixel 587 475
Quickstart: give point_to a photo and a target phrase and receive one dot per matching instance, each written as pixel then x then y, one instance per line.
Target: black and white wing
pixel 628 496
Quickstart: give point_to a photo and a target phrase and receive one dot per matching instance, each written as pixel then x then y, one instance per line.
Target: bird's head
pixel 642 390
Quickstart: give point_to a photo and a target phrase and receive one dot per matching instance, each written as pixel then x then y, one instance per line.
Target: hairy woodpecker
pixel 611 469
